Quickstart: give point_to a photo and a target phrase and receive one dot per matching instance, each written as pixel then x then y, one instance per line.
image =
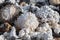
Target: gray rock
pixel 2 1
pixel 27 20
pixel 47 14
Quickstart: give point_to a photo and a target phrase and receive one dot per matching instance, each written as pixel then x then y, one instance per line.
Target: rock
pixel 47 14
pixel 21 33
pixel 24 7
pixel 6 35
pixel 13 33
pixel 24 34
pixel 54 2
pixel 2 1
pixel 57 38
pixel 34 1
pixel 43 27
pixel 48 34
pixel 59 20
pixel 26 1
pixel 44 33
pixel 12 38
pixel 57 30
pixel 24 31
pixel 2 37
pixel 11 1
pixel 23 4
pixel 30 8
pixel 55 27
pixel 9 11
pixel 54 8
pixel 5 27
pixel 18 39
pixel 27 20
pixel 40 4
pixel 40 0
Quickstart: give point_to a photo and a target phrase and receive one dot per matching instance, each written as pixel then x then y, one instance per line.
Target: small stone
pixel 54 2
pixel 2 1
pixel 27 20
pixel 8 12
